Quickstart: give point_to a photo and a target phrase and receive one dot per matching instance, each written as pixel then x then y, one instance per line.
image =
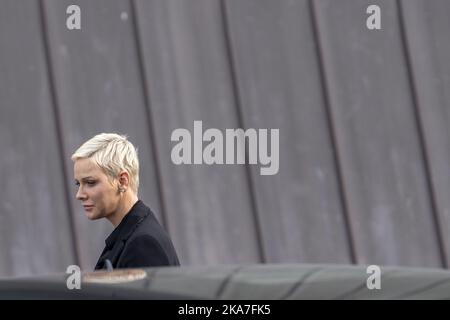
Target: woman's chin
pixel 91 215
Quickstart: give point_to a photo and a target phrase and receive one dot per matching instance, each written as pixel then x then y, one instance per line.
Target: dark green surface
pixel 266 282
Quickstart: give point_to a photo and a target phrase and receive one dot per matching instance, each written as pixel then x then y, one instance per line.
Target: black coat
pixel 138 241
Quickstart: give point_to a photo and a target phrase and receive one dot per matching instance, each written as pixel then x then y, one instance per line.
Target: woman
pixel 106 170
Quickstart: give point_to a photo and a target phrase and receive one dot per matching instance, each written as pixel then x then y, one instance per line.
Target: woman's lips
pixel 87 208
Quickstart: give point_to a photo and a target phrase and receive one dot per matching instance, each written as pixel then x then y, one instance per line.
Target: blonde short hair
pixel 112 153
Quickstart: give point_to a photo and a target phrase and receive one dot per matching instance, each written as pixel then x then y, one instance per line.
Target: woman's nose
pixel 80 194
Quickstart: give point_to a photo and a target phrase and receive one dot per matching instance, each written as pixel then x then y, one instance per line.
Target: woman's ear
pixel 123 181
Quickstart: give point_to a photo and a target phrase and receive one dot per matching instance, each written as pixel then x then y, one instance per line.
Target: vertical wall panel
pixel 279 86
pixel 35 235
pixel 379 147
pixel 427 26
pixel 188 78
pixel 99 89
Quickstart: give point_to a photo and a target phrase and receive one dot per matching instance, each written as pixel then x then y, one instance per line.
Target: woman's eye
pixel 91 183
pixel 77 183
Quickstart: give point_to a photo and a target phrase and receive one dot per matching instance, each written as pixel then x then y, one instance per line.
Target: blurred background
pixel 363 118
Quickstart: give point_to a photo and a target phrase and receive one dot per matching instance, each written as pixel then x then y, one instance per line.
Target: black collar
pixel 136 215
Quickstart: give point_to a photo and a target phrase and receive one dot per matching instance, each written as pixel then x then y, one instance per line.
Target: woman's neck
pixel 128 200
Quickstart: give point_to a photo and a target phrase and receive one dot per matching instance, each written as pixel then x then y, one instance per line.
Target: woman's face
pixel 99 196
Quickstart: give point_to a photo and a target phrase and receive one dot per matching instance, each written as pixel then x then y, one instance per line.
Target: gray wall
pixel 363 116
